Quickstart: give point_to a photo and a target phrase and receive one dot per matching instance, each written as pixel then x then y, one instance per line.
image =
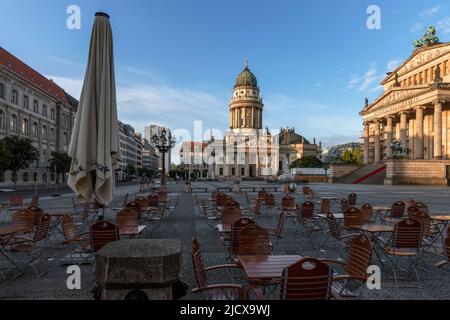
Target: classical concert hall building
pixel 414 109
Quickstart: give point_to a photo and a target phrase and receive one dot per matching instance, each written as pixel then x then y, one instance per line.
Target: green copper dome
pixel 246 79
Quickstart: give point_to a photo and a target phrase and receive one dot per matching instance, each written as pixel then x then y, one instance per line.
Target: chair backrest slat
pixel 423 217
pixel 23 219
pixel 353 218
pixel 102 233
pixel 198 264
pixel 288 203
pixel 236 228
pixel 398 210
pixel 253 240
pixel 305 211
pixel 308 279
pixel 333 226
pixel 325 206
pixel 42 228
pixel 34 201
pixel 367 212
pixel 352 197
pixel 359 256
pixel 408 234
pixel 69 228
pixel 269 199
pixel 127 218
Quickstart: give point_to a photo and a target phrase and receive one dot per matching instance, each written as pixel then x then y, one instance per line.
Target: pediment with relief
pixel 421 58
pixel 394 96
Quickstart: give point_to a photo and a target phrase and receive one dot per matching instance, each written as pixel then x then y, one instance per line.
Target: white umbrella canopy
pixel 94 146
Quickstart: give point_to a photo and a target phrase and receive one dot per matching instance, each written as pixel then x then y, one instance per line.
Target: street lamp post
pixel 164 143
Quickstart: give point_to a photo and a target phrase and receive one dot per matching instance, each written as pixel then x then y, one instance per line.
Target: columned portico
pixel 377 142
pixel 389 129
pixel 418 142
pixel 437 147
pixel 366 143
pixel 403 124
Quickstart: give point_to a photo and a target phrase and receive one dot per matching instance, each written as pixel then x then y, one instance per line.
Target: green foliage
pixel 60 163
pixel 307 162
pixel 352 156
pixel 144 172
pixel 130 170
pixel 16 154
pixel 175 171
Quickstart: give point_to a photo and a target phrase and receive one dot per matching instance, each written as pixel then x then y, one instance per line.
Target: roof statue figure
pixel 437 75
pixel 427 39
pixel 397 83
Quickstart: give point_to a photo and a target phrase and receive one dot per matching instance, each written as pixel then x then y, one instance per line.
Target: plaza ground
pixel 187 222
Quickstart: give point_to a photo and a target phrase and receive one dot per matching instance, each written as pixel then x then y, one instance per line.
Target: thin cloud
pixel 393 64
pixel 431 11
pixel 444 26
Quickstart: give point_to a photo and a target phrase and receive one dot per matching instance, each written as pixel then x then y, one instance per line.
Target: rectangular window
pixel 52 114
pixel 36 106
pixel 44 110
pixel 15 97
pixel 2 91
pixel 221 171
pixel 25 102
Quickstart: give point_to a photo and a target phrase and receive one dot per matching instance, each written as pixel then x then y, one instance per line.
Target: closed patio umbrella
pixel 94 146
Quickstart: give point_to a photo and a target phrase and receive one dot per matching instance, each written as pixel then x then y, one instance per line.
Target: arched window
pixel 25 126
pixel 34 129
pixel 13 123
pixel 2 119
pixel 52 134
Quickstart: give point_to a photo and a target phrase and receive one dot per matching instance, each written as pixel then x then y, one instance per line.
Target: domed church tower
pixel 246 106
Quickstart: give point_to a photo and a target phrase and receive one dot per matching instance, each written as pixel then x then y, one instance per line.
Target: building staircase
pixel 373 174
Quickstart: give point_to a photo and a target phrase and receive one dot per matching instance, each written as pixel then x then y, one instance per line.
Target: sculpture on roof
pixel 427 39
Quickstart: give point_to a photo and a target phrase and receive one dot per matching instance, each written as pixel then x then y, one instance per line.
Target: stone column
pixel 403 124
pixel 377 153
pixel 438 130
pixel 389 136
pixel 231 118
pixel 366 143
pixel 418 145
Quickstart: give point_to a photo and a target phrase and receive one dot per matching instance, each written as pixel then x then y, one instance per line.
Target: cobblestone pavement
pixel 187 222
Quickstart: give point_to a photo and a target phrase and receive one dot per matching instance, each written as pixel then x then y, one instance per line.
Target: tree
pixel 175 171
pixel 130 170
pixel 307 162
pixel 60 163
pixel 144 172
pixel 16 154
pixel 352 156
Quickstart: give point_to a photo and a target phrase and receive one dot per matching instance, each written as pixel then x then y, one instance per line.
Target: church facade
pixel 247 150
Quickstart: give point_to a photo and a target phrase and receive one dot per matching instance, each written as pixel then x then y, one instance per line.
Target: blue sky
pixel 177 60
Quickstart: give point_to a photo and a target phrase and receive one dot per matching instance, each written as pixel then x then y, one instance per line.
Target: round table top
pixel 441 218
pixel 381 208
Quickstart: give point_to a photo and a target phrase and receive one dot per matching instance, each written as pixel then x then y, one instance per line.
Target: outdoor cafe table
pixel 6 233
pixel 337 216
pixel 224 228
pixel 381 210
pixel 445 221
pixel 266 269
pixel 373 231
pixel 132 232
